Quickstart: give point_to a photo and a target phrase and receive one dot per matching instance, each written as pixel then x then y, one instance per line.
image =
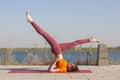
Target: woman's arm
pixel 52 66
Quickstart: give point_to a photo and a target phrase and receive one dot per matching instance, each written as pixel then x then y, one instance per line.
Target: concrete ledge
pixel 102 48
pixel 102 55
pixel 103 62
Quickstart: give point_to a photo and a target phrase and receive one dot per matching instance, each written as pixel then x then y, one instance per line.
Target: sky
pixel 65 20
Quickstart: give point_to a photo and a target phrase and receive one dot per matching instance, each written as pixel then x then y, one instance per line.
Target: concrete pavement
pixel 111 72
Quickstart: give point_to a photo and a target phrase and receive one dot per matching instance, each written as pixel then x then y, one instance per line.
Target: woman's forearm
pixel 52 65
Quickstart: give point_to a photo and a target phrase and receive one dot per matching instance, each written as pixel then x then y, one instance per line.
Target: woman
pixel 59 64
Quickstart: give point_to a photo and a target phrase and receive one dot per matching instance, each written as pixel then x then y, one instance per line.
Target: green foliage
pixel 8 59
pixel 5 50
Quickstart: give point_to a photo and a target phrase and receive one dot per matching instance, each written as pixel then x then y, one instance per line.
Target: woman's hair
pixel 73 68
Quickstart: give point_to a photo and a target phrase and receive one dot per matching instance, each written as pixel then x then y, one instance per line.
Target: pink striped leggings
pixel 57 48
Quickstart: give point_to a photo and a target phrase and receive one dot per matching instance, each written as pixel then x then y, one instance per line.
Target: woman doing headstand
pixel 56 48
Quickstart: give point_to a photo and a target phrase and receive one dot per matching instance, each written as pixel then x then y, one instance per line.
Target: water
pixel 114 56
pixel 20 57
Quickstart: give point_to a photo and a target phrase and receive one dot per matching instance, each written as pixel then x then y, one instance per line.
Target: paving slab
pixel 111 72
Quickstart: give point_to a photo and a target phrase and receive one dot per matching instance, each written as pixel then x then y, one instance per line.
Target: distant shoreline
pixel 48 49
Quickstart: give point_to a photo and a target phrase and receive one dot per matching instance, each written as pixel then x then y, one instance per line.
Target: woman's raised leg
pixel 66 46
pixel 55 48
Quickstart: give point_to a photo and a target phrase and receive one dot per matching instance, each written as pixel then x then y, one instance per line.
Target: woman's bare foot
pixel 29 19
pixel 92 39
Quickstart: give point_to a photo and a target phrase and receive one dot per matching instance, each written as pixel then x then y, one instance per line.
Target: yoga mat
pixel 45 71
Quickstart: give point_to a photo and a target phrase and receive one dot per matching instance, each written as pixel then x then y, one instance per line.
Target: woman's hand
pixel 52 66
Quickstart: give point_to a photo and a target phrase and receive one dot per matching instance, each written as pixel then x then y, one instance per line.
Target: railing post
pixel 102 55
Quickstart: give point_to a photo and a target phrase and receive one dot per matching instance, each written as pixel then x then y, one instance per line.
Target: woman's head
pixel 72 67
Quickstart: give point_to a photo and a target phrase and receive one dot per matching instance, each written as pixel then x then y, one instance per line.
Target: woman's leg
pixel 65 46
pixel 55 48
